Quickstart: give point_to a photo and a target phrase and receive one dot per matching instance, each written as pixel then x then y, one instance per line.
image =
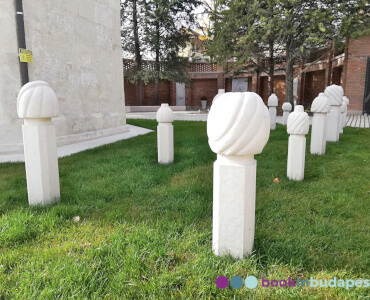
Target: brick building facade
pixel 349 68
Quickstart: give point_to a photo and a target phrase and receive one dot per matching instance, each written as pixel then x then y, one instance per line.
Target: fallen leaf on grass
pixel 276 180
pixel 76 219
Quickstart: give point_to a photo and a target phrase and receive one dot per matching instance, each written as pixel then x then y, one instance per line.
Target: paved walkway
pixel 78 147
pixel 359 121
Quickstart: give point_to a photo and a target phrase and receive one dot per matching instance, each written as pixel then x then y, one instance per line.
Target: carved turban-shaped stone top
pixel 238 124
pixel 287 106
pixel 298 121
pixel 165 114
pixel 320 104
pixel 273 100
pixel 346 100
pixel 335 94
pixel 217 96
pixel 37 100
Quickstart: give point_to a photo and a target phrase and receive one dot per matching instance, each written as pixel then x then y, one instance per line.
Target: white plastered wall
pixel 76 48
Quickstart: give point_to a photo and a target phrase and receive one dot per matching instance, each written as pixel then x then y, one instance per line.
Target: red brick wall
pixel 251 87
pixel 228 85
pixel 163 93
pixel 203 87
pixel 314 84
pixel 172 93
pixel 337 75
pixel 252 83
pixel 263 92
pixel 351 76
pixel 279 88
pixel 354 78
pixel 130 93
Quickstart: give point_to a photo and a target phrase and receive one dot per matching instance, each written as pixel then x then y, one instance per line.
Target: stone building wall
pixel 76 48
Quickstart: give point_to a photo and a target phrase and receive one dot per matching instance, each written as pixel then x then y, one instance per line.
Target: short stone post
pixel 287 108
pixel 344 120
pixel 335 95
pixel 320 107
pixel 342 112
pixel 237 128
pixel 272 104
pixel 298 126
pixel 37 104
pixel 165 134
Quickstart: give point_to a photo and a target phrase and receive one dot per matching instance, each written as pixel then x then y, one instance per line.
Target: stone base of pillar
pixel 165 143
pixel 342 122
pixel 318 134
pixel 272 111
pixel 333 124
pixel 285 117
pixel 40 153
pixel 234 198
pixel 296 157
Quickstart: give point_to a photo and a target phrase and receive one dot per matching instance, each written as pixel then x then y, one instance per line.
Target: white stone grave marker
pixel 335 95
pixel 237 128
pixel 344 120
pixel 287 108
pixel 343 109
pixel 37 104
pixel 272 104
pixel 297 127
pixel 320 107
pixel 165 140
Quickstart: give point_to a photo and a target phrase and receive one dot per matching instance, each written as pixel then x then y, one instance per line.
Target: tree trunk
pixel 271 67
pixel 157 65
pixel 138 59
pixel 289 83
pixel 289 73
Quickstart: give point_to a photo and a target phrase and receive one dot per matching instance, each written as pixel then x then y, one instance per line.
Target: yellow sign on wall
pixel 25 55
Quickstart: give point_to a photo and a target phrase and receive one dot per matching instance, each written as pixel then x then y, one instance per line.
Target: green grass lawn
pixel 145 229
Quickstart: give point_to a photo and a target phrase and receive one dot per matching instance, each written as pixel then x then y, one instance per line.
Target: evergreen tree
pixel 166 27
pixel 131 20
pixel 297 27
pixel 161 32
pixel 246 31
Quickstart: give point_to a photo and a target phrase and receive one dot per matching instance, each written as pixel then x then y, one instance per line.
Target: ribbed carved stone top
pixel 320 104
pixel 37 100
pixel 287 106
pixel 165 114
pixel 273 100
pixel 345 99
pixel 335 94
pixel 218 95
pixel 298 121
pixel 238 124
